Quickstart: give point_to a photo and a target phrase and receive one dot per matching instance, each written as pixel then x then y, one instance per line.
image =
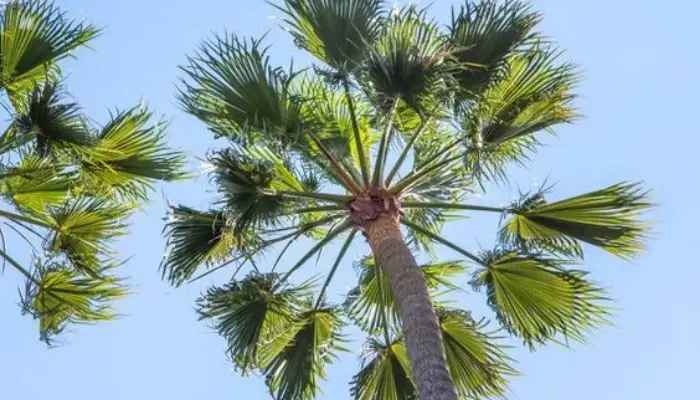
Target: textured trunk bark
pixel 420 324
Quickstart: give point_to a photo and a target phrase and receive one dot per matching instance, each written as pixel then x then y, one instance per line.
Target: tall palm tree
pixel 398 124
pixel 67 186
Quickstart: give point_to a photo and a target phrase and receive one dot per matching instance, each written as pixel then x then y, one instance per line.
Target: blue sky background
pixel 641 61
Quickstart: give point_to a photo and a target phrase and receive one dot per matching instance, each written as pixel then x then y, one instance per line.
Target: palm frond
pixel 56 127
pixel 58 295
pixel 533 93
pixel 478 364
pixel 83 231
pixel 196 238
pixel 231 86
pixel 336 32
pixel 251 313
pixel 485 33
pixel 35 184
pixel 129 155
pixel 295 360
pixel 385 376
pixel 34 36
pixel 366 302
pixel 408 62
pixel 607 218
pixel 537 299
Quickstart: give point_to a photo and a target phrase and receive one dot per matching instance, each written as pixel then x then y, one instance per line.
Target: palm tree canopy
pixel 400 114
pixel 68 187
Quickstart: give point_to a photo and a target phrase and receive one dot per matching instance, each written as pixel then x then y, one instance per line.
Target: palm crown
pixel 68 186
pixel 399 116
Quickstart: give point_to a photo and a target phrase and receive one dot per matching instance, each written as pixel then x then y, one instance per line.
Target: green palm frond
pixel 129 155
pixel 478 365
pixel 196 238
pixel 83 229
pixel 533 94
pixel 366 302
pixel 538 300
pixel 252 181
pixel 485 33
pixel 234 90
pixel 408 62
pixel 57 127
pixel 35 184
pixel 295 360
pixel 251 314
pixel 34 36
pixel 606 218
pixel 385 376
pixel 59 295
pixel 336 32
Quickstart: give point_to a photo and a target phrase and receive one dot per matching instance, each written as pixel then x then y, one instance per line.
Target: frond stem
pixel 338 259
pixel 406 150
pixel 441 240
pixel 384 146
pixel 343 176
pixel 356 132
pixel 412 178
pixel 451 206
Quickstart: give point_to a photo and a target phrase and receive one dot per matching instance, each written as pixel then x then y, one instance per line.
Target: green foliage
pixel 537 299
pixel 58 295
pixel 386 376
pixel 607 218
pixel 336 32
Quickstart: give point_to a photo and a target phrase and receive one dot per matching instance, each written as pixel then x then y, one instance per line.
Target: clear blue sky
pixel 641 61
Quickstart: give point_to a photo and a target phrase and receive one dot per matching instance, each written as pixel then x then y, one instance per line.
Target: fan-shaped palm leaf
pixel 232 87
pixel 57 128
pixel 386 376
pixel 485 33
pixel 538 300
pixel 478 365
pixel 58 295
pixel 607 218
pixel 336 32
pixel 84 228
pixel 251 314
pixel 36 183
pixel 34 35
pixel 129 155
pixel 295 360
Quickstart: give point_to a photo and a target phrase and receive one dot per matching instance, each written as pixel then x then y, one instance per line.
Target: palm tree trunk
pixel 420 324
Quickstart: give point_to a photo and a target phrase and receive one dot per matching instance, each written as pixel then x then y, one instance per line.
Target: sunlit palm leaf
pixel 251 314
pixel 366 302
pixel 59 295
pixel 336 32
pixel 295 361
pixel 57 127
pixel 196 238
pixel 485 33
pixel 34 35
pixel 234 90
pixel 607 218
pixel 538 300
pixel 385 376
pixel 36 183
pixel 478 364
pixel 533 94
pixel 84 229
pixel 408 61
pixel 129 155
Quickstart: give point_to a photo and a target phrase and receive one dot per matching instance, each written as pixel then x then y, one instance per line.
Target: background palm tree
pixel 400 123
pixel 67 185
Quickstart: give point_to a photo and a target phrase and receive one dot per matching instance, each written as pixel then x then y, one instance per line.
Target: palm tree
pixel 398 124
pixel 67 186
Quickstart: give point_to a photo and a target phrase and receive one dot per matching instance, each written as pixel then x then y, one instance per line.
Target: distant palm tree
pixel 67 186
pixel 398 125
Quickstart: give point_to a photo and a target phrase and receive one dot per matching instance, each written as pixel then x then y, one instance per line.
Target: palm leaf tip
pixel 608 218
pixel 538 300
pixel 195 238
pixel 478 364
pixel 129 155
pixel 337 32
pixel 231 86
pixel 59 295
